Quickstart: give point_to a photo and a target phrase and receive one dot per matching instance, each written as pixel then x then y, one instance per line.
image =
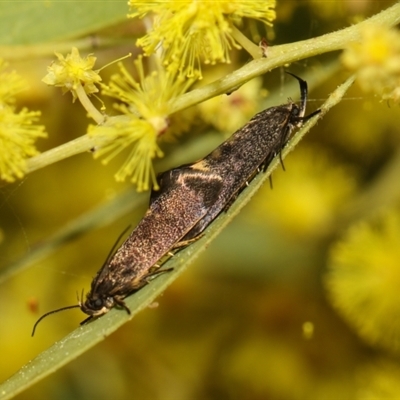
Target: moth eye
pixel 98 303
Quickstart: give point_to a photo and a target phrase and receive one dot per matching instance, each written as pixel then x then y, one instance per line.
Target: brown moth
pixel 190 198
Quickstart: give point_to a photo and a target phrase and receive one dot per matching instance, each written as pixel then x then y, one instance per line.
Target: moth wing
pixel 205 184
pixel 165 180
pixel 192 194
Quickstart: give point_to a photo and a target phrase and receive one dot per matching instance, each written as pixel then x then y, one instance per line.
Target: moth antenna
pixel 49 313
pixel 80 298
pixel 303 93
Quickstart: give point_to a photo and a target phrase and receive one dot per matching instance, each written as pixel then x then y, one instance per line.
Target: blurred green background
pixel 252 318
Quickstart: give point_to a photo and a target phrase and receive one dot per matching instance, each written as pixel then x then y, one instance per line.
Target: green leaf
pixel 22 22
pixel 85 337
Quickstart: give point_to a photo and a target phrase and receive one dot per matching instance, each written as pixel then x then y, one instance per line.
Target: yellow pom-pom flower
pixel 363 279
pixel 18 131
pixel 190 32
pixel 376 61
pixel 72 73
pixel 144 119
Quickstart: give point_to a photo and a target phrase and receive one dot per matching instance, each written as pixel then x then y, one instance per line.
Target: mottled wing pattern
pixel 243 155
pixel 184 198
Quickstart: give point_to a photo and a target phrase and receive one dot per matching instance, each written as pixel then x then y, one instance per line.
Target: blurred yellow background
pixel 255 317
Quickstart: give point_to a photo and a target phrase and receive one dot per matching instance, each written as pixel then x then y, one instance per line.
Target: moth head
pixel 300 114
pixel 296 116
pixel 96 304
pixel 303 94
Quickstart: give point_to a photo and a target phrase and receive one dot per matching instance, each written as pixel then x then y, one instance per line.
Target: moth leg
pixel 281 160
pixel 232 199
pixel 267 161
pixel 86 320
pixel 183 243
pixel 122 304
pixel 154 274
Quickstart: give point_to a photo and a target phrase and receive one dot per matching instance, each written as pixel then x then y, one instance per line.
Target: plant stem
pixel 72 148
pixel 286 54
pixel 93 112
pixel 246 43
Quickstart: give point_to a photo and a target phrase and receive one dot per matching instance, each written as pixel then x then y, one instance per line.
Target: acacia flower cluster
pixel 75 74
pixel 72 72
pixel 191 32
pixel 144 111
pixel 18 131
pixel 144 119
pixel 188 33
pixel 376 61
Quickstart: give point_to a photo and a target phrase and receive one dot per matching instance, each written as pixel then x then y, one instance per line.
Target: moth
pixel 189 199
